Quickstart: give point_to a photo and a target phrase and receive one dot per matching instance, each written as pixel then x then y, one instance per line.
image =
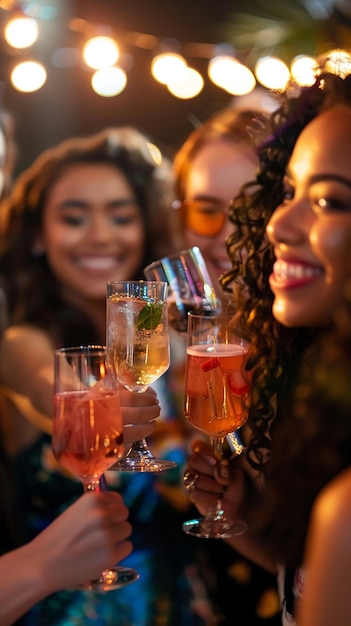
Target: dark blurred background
pixel 66 105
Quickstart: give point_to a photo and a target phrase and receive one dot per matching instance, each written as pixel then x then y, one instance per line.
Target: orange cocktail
pixel 215 389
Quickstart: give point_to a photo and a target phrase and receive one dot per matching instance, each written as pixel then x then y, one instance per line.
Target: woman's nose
pixel 100 229
pixel 289 223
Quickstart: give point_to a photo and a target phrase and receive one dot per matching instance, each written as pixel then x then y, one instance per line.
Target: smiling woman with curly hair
pixel 290 252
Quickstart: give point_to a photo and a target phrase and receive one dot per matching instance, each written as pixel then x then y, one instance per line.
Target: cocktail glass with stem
pixel 88 429
pixel 189 286
pixel 189 289
pixel 138 345
pixel 216 394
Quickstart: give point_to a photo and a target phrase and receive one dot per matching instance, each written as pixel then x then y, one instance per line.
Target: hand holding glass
pixel 138 345
pixel 88 429
pixel 216 394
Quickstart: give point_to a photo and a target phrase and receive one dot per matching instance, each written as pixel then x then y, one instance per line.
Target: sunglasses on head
pixel 202 216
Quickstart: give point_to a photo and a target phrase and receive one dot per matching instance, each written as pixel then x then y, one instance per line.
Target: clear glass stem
pixel 217 444
pixel 116 577
pixel 92 485
pixel 108 577
pixel 140 447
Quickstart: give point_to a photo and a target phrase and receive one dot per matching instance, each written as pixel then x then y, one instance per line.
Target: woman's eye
pixel 73 220
pixel 331 204
pixel 124 220
pixel 287 195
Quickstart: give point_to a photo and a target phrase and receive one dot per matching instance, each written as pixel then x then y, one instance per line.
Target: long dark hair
pixel 313 445
pixel 276 351
pixel 33 292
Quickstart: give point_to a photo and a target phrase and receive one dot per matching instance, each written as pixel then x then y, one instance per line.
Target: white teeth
pixel 97 263
pixel 286 271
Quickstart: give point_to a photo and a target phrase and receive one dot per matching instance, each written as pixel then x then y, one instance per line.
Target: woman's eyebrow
pixel 83 204
pixel 317 178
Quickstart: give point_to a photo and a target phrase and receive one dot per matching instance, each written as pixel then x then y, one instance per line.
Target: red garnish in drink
pixel 210 364
pixel 238 386
pixel 239 391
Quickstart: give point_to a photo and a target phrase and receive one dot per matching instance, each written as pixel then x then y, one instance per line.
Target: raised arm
pixel 91 535
pixel 27 367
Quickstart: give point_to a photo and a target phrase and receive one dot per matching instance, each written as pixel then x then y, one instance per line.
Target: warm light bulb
pixel 109 81
pixel 100 52
pixel 303 70
pixel 28 76
pixel 189 86
pixel 272 73
pixel 219 67
pixel 232 76
pixel 167 67
pixel 339 62
pixel 21 31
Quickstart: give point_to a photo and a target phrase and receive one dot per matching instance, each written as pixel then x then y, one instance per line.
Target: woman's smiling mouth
pixel 293 274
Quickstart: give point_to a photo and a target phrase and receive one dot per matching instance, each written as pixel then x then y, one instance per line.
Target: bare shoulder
pixel 24 340
pixel 332 509
pixel 26 358
pixel 25 332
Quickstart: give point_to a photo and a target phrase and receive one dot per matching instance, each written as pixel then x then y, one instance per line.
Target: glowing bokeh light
pixel 21 32
pixel 303 70
pixel 28 76
pixel 226 72
pixel 109 81
pixel 339 62
pixel 167 67
pixel 272 73
pixel 100 52
pixel 190 85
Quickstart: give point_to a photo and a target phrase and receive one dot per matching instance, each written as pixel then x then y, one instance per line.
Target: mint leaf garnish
pixel 149 317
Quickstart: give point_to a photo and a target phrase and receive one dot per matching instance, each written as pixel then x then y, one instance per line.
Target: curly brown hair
pixel 276 351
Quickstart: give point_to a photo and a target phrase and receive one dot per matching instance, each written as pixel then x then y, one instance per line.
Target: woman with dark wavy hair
pixel 291 257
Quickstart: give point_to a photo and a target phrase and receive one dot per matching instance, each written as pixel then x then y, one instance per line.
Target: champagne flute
pixel 138 345
pixel 190 286
pixel 216 394
pixel 88 429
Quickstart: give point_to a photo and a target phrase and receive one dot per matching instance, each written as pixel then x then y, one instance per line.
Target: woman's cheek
pixel 331 242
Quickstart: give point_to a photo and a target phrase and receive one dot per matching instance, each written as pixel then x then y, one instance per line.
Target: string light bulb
pixel 303 70
pixel 339 62
pixel 168 66
pixel 100 52
pixel 234 77
pixel 21 31
pixel 109 81
pixel 28 76
pixel 272 72
pixel 188 86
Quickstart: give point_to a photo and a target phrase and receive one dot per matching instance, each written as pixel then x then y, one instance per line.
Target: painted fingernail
pixel 211 460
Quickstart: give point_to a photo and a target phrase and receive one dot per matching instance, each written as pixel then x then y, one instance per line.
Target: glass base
pixel 212 527
pixel 143 465
pixel 140 459
pixel 112 579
